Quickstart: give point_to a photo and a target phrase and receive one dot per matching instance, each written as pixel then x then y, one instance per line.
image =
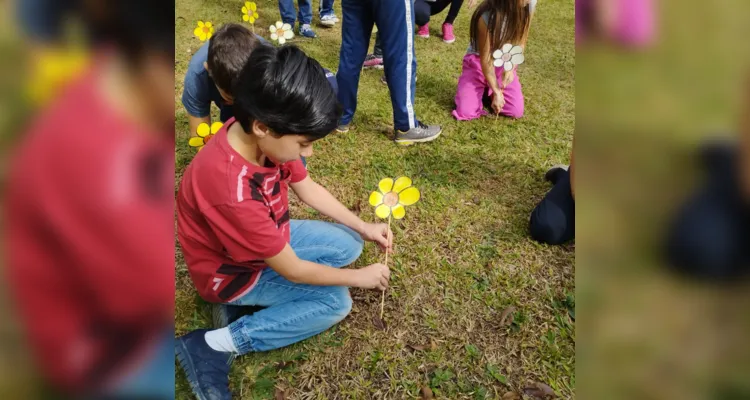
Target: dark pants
pixel 395 20
pixel 423 10
pixel 710 235
pixel 553 219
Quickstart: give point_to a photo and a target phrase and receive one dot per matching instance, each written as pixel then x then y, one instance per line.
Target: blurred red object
pixel 89 216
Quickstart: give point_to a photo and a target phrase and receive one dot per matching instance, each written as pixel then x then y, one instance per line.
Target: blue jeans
pixel 286 8
pixel 326 7
pixel 296 311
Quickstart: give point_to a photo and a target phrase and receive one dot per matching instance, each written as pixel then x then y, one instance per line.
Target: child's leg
pixel 305 11
pixel 471 86
pixel 514 102
pixel 326 7
pixel 377 49
pixel 356 29
pixel 553 219
pixel 295 311
pixel 287 11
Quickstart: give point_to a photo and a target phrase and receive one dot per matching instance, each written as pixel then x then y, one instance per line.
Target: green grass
pixel 463 254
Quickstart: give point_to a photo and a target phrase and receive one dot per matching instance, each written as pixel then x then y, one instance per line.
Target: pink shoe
pixel 424 31
pixel 448 36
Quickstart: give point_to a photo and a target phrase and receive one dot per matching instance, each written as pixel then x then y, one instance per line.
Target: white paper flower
pixel 508 56
pixel 281 32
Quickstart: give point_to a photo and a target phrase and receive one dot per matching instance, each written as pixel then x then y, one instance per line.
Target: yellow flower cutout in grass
pixel 204 31
pixel 281 32
pixel 204 134
pixel 249 12
pixel 393 196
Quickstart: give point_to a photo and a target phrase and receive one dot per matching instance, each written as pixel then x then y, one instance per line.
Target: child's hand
pixel 498 102
pixel 507 78
pixel 374 276
pixel 380 234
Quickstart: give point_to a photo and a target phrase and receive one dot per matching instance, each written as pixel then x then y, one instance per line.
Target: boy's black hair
pixel 228 51
pixel 288 91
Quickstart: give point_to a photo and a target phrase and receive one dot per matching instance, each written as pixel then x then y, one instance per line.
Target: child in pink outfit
pixel 479 83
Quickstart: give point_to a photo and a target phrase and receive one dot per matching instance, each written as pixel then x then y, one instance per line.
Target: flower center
pixel 506 57
pixel 206 29
pixel 391 199
pixel 280 32
pixel 207 138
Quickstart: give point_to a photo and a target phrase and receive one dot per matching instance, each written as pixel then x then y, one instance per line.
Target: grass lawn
pixel 463 255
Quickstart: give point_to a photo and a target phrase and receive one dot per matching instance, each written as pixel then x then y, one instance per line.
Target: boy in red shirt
pixel 233 222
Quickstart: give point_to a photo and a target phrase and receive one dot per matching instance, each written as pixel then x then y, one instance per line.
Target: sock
pixel 221 340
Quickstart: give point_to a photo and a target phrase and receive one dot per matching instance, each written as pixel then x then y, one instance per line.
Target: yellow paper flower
pixel 249 12
pixel 205 133
pixel 393 196
pixel 204 31
pixel 281 32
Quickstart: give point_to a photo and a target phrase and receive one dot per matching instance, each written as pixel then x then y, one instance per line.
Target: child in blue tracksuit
pixel 395 20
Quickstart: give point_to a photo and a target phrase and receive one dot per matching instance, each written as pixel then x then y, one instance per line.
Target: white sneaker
pixel 328 20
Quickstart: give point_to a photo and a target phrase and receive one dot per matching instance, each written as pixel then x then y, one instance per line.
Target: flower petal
pixel 497 54
pixel 244 10
pixel 516 50
pixel 203 130
pixel 517 59
pixel 409 196
pixel 401 184
pixel 201 24
pixel 508 66
pixel 376 198
pixel 506 47
pixel 195 141
pixel 253 6
pixel 383 211
pixel 272 29
pixel 215 127
pixel 385 185
pixel 208 24
pixel 274 36
pixel 251 20
pixel 282 40
pixel 398 212
pixel 208 35
pixel 498 63
pixel 286 27
pixel 288 34
pixel 279 24
pixel 198 31
pixel 245 17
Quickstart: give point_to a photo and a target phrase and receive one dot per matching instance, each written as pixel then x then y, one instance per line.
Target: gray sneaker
pixel 419 134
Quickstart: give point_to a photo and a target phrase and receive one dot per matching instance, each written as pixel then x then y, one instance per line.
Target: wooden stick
pixel 388 239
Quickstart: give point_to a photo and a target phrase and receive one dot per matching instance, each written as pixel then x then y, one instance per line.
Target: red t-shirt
pixel 231 216
pixel 90 231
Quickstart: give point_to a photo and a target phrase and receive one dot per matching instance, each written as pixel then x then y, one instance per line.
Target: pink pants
pixel 471 88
